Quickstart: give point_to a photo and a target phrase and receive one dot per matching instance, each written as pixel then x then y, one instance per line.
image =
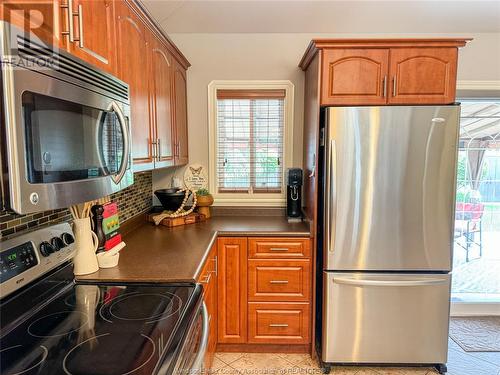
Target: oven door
pixel 66 144
pixel 192 351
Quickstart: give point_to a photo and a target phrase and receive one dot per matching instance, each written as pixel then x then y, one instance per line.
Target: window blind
pixel 250 128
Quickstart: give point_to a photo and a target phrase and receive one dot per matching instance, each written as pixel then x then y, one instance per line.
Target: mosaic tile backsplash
pixel 131 201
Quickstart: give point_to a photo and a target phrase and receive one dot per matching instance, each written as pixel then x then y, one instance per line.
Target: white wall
pixel 276 56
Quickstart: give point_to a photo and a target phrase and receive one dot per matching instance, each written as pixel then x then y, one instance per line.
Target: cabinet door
pixel 133 68
pixel 42 18
pixel 180 115
pixel 354 76
pixel 161 86
pixel 94 33
pixel 423 75
pixel 232 290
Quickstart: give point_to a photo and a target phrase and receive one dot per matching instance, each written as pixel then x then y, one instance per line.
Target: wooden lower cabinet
pixel 279 280
pixel 232 290
pixel 264 301
pixel 208 278
pixel 274 248
pixel 278 323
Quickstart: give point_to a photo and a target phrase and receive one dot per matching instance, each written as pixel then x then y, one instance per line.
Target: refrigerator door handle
pixel 331 194
pixel 398 283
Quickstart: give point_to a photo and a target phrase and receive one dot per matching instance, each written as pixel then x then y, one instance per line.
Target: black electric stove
pixel 53 325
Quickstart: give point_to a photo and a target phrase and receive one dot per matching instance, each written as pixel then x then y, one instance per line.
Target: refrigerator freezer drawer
pixel 385 318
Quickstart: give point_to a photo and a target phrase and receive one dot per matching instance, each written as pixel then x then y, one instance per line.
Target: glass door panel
pixel 476 263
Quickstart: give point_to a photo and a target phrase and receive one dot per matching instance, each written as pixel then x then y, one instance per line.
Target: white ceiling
pixel 302 16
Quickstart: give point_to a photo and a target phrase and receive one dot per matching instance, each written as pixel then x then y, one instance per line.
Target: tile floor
pixel 459 363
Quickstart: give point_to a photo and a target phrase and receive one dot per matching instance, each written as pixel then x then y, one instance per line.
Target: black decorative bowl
pixel 170 199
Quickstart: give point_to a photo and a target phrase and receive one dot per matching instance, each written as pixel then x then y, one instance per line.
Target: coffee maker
pixel 294 194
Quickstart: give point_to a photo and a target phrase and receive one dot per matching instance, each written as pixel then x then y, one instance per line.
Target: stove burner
pixel 62 323
pixel 39 355
pixel 151 307
pixel 102 361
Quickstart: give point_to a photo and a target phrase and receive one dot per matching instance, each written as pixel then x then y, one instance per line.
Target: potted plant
pixel 204 201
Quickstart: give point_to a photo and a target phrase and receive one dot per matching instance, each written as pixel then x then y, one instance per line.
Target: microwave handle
pixel 126 140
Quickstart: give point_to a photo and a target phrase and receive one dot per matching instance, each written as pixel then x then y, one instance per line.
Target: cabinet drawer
pixel 261 248
pixel 279 280
pixel 278 323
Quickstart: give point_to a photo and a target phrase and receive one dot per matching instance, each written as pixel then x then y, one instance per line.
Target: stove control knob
pixel 46 249
pixel 67 238
pixel 57 243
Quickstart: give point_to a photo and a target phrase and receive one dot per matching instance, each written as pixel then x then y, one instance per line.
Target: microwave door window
pixel 68 141
pixel 110 137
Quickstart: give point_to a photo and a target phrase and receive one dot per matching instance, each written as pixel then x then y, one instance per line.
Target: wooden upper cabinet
pixel 232 290
pixel 161 86
pixel 41 18
pixel 354 76
pixel 423 75
pixel 88 34
pixel 94 32
pixel 133 68
pixel 180 115
pixel 384 71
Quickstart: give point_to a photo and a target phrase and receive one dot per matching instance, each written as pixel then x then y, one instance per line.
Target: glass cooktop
pixel 96 329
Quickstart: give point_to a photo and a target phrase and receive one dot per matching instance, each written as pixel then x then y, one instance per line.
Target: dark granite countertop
pixel 161 254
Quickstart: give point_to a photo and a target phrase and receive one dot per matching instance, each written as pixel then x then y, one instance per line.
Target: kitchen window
pixel 250 141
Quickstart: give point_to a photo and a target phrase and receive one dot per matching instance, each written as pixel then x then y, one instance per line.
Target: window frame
pixel 255 198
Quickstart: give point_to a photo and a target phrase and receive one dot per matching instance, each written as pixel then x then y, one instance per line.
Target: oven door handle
pixel 198 362
pixel 126 142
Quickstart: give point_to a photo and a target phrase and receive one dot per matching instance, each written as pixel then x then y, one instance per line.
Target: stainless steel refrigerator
pixel 389 196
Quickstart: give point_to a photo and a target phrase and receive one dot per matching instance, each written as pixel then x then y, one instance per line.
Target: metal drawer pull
pixel 207 279
pixel 278 282
pixel 278 249
pixel 216 268
pixel 71 14
pixel 278 325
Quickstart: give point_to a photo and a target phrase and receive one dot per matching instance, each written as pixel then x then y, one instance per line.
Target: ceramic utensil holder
pixel 86 243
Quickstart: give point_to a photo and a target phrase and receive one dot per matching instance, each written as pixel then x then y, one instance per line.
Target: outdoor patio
pixel 479 278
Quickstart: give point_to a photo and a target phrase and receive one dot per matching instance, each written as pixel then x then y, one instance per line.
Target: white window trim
pixel 246 199
pixel 478 85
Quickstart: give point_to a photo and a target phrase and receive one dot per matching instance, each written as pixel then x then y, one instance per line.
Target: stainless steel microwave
pixel 65 127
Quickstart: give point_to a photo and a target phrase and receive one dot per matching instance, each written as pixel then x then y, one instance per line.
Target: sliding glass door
pixel 476 263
